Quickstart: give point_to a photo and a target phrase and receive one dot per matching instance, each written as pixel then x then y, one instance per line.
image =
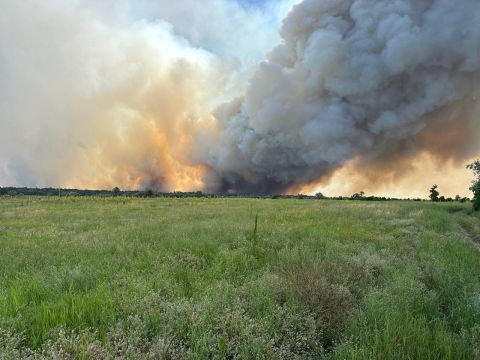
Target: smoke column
pixel 377 82
pixel 181 96
pixel 110 93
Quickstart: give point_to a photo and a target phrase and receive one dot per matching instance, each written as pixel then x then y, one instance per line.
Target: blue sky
pixel 253 2
pixel 258 3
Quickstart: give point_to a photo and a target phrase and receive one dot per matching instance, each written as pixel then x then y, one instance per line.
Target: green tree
pixel 116 191
pixel 148 193
pixel 475 188
pixel 358 196
pixel 319 195
pixel 434 194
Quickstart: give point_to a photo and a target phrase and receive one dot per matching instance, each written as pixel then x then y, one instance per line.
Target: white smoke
pixel 106 93
pixel 374 80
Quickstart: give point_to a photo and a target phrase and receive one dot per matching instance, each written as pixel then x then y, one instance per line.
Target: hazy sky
pixel 336 96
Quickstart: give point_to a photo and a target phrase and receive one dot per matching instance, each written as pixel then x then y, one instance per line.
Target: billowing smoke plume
pixel 374 81
pixel 138 93
pixel 111 93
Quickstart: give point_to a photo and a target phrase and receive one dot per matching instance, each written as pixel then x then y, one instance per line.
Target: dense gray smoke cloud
pixel 375 81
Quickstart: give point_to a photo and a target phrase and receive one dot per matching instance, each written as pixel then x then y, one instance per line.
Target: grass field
pixel 95 278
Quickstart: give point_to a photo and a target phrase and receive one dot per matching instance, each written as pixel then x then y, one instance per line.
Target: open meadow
pixel 130 278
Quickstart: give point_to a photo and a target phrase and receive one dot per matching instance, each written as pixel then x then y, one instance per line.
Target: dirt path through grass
pixel 469 227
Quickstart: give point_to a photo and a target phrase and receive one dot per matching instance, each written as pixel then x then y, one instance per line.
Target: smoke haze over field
pixel 350 95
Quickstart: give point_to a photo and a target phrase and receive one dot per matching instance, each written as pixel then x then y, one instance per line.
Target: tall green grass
pixel 92 278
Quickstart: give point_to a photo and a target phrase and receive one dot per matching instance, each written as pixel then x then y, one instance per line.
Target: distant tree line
pixel 475 188
pixel 24 191
pixel 436 197
pixel 149 193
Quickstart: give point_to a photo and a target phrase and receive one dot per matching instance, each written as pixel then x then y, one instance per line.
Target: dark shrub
pixel 434 194
pixel 475 188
